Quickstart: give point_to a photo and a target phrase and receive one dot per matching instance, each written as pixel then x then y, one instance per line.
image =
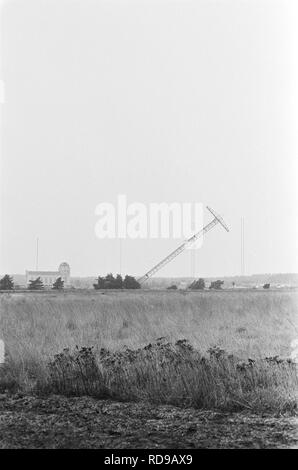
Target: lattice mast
pixel 217 220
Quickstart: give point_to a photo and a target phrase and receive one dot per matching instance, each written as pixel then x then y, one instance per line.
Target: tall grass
pixel 35 327
pixel 167 373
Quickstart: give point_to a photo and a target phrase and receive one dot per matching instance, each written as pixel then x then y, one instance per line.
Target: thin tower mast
pixel 216 220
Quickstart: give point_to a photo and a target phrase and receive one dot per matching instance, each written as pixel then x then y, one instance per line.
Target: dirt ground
pixel 84 422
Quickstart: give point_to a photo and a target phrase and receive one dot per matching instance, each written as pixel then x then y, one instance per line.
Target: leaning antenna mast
pixel 216 220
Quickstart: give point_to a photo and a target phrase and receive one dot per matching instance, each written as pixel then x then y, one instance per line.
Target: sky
pixel 162 101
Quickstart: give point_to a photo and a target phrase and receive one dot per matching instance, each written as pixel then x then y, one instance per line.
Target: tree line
pixel 7 283
pixel 199 284
pixel 107 282
pixel 110 282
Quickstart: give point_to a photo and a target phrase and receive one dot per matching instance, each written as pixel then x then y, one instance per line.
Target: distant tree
pixel 58 284
pixel 197 285
pixel 266 286
pixel 118 282
pixel 100 283
pixel 233 284
pixel 131 283
pixel 6 283
pixel 216 284
pixel 173 287
pixel 109 281
pixel 36 284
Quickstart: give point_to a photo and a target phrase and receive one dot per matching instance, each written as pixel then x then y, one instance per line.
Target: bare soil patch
pixel 84 422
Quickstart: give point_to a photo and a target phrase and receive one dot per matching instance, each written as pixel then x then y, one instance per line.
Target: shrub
pixel 111 282
pixel 36 284
pixel 58 284
pixel 100 283
pixel 177 374
pixel 6 283
pixel 197 285
pixel 130 283
pixel 216 284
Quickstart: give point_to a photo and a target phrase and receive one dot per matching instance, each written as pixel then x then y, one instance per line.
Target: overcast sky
pixel 187 101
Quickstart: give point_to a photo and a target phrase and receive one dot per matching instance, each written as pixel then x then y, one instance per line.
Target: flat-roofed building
pixel 49 277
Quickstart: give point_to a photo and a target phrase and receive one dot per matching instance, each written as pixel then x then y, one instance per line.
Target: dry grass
pixel 177 374
pixel 248 324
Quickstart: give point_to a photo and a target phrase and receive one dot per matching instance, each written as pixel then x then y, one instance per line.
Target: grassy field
pixel 236 325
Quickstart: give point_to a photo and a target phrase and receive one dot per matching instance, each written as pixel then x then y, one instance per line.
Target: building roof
pixel 43 273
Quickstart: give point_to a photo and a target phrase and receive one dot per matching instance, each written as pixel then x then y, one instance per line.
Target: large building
pixel 49 277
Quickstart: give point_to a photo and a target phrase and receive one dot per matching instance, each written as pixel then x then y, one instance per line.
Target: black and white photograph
pixel 149 230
